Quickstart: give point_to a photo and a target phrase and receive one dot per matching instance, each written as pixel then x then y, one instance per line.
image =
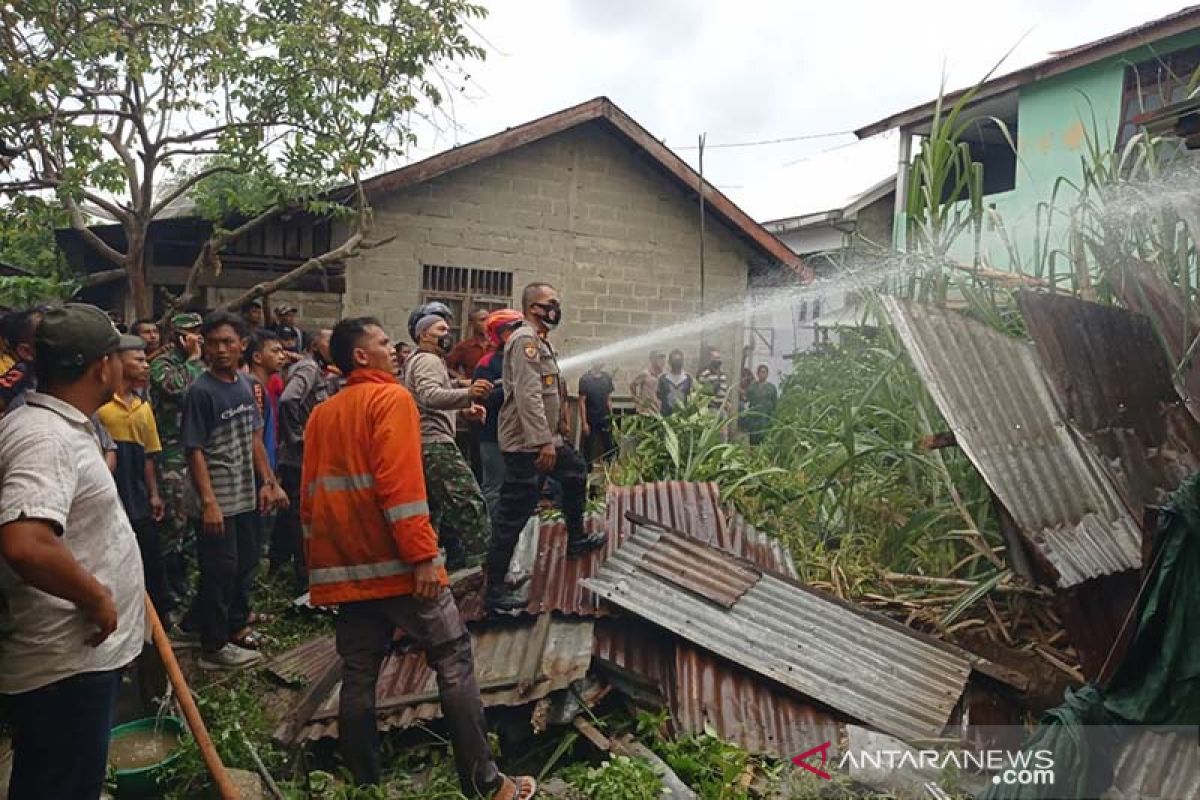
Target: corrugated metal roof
pixel 555 582
pixel 852 661
pixel 516 662
pixel 699 569
pixel 1114 385
pixel 1160 765
pixel 1143 288
pixel 710 694
pixel 703 692
pixel 991 390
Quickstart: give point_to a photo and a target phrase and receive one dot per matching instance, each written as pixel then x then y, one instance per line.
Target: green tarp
pixel 1157 683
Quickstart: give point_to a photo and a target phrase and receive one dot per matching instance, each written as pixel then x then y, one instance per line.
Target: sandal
pixel 520 787
pixel 259 619
pixel 248 639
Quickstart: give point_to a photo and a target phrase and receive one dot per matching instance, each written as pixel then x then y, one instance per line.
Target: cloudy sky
pixel 750 70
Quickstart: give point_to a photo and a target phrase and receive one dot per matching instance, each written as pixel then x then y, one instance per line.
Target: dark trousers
pixel 227 565
pixel 519 499
pixel 60 737
pixel 149 539
pixel 599 444
pixel 467 440
pixel 364 633
pixel 287 537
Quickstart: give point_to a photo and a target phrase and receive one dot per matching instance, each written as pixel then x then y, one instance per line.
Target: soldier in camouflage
pixel 456 506
pixel 171 373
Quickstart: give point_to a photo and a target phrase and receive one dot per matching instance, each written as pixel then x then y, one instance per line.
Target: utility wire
pixel 784 140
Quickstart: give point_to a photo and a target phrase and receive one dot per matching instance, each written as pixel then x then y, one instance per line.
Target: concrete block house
pixel 584 198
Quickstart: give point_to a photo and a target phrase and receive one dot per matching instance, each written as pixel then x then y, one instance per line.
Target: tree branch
pixel 99 245
pixel 98 278
pixel 212 133
pixel 185 186
pixel 212 247
pixel 347 249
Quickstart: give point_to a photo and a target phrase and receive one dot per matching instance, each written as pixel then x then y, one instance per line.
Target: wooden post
pixel 212 760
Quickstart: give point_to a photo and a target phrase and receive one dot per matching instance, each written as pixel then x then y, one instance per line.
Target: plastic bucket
pixel 146 780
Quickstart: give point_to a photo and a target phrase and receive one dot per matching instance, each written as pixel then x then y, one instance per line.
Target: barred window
pixel 466 289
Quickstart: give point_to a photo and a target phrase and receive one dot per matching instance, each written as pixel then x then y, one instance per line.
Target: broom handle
pixel 183 694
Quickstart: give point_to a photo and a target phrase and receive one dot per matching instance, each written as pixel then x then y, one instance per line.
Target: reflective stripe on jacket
pixel 363 508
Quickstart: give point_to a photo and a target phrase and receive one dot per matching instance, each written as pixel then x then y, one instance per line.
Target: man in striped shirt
pixel 223 437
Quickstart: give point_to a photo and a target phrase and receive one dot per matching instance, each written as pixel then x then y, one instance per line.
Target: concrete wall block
pixel 613 316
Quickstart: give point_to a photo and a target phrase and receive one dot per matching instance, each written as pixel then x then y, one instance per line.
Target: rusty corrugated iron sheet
pixel 852 661
pixel 1159 765
pixel 703 692
pixel 710 694
pixel 1143 288
pixel 305 662
pixel 992 392
pixel 516 662
pixel 699 569
pixel 1115 386
pixel 555 582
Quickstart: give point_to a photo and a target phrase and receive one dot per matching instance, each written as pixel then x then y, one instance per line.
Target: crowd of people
pixel 169 461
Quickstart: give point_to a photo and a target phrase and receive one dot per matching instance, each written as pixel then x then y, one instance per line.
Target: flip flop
pixel 520 787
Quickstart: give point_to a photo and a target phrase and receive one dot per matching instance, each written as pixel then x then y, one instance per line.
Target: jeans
pixel 60 737
pixel 149 539
pixel 363 632
pixel 519 499
pixel 227 566
pixel 493 474
pixel 287 538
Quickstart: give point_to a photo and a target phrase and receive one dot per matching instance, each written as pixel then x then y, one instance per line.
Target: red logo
pixel 802 760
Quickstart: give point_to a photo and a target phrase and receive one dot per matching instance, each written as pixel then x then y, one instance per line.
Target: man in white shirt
pixel 71 588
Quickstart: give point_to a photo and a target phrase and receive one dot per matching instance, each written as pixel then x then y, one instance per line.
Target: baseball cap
pixel 75 335
pixel 186 321
pixel 281 310
pixel 130 342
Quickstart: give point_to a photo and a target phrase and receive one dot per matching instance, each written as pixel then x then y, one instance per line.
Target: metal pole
pixel 702 222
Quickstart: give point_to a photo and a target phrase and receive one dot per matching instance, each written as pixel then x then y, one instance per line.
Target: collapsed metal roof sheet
pixel 1114 385
pixel 516 662
pixel 1159 765
pixel 991 390
pixel 705 693
pixel 852 661
pixel 555 581
pixel 1144 289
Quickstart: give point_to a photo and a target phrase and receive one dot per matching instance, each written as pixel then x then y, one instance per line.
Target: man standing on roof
pixel 172 371
pixel 456 505
pixel 373 552
pixel 532 424
pixel 499 326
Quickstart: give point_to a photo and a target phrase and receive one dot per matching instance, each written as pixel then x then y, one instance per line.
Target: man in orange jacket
pixel 372 551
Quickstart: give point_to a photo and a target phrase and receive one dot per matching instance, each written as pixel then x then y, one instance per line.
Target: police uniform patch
pixel 549 380
pixel 531 351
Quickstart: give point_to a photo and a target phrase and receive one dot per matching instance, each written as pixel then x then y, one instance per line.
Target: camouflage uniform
pixel 456 506
pixel 171 373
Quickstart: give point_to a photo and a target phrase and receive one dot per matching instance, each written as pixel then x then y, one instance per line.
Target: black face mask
pixel 552 313
pixel 676 366
pixel 714 364
pixel 445 343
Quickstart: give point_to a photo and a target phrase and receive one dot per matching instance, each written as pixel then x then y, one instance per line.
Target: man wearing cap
pixel 532 424
pixel 645 386
pixel 285 317
pixel 252 314
pixel 131 424
pixel 171 373
pixel 456 505
pixel 73 614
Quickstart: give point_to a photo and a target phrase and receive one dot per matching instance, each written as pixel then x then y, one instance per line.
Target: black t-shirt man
pixel 595 389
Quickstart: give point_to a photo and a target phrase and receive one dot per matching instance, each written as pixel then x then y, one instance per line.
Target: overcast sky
pixel 748 70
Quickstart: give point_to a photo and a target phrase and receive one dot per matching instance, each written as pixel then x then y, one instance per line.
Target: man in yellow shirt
pixel 130 421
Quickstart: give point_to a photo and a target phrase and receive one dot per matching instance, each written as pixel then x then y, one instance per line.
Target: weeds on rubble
pixel 617 778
